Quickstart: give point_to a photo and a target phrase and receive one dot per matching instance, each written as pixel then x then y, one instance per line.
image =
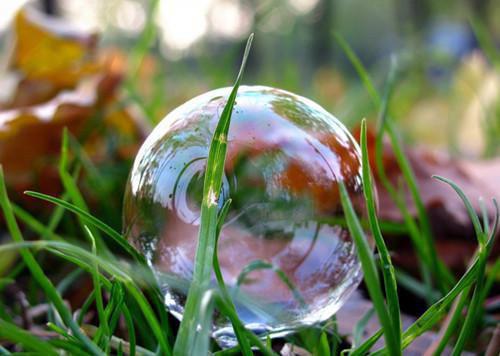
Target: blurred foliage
pixel 446 81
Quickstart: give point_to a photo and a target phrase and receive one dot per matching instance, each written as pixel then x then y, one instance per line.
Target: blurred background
pixel 447 92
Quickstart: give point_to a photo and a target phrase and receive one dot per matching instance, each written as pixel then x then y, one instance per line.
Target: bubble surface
pixel 284 251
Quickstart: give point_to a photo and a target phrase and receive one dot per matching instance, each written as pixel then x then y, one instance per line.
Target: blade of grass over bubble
pixel 38 274
pixel 240 334
pixel 259 265
pixel 233 317
pixel 201 341
pixel 387 267
pixel 208 226
pixel 370 272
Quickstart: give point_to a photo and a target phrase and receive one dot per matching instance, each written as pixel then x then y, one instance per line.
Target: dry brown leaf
pixel 48 49
pixel 64 82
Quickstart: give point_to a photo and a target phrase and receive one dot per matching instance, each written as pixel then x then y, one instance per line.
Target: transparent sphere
pixel 286 256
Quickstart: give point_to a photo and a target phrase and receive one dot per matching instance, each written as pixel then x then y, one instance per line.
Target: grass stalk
pixel 386 265
pixel 370 271
pixel 208 227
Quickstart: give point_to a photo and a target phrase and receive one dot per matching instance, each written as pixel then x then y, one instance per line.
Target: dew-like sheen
pixel 284 251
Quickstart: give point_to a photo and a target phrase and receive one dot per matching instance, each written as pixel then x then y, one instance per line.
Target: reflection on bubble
pixel 284 251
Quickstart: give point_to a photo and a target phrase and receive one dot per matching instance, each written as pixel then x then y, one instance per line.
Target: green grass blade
pixel 89 219
pixel 323 348
pixel 71 347
pixel 71 188
pixel 359 67
pixel 15 334
pixel 366 346
pixel 85 307
pixel 474 306
pixel 35 225
pixel 240 334
pixel 37 272
pixel 478 229
pixel 359 328
pixel 494 272
pixel 336 338
pixel 415 286
pixel 201 342
pixel 61 288
pixel 425 241
pixel 4 351
pixel 455 318
pixel 233 317
pixel 370 271
pixel 486 42
pixel 442 275
pixel 436 311
pixel 60 331
pixel 140 50
pixel 385 258
pixel 127 316
pixel 208 227
pixel 260 264
pixel 103 321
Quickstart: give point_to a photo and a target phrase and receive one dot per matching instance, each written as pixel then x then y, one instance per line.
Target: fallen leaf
pixel 64 81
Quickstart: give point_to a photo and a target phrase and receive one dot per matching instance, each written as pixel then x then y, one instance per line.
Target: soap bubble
pixel 285 252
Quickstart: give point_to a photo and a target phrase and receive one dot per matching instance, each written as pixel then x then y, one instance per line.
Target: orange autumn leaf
pixel 48 49
pixel 64 82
